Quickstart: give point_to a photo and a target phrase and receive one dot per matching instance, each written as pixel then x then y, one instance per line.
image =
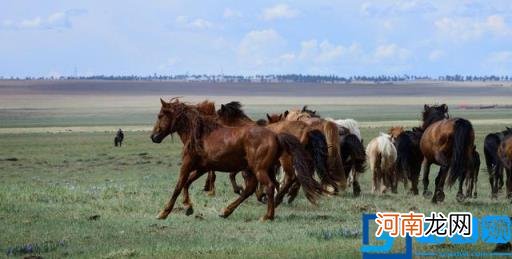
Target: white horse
pixel 353 128
pixel 350 124
pixel 381 154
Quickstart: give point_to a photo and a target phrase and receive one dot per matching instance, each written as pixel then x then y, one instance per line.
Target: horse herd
pixel 308 147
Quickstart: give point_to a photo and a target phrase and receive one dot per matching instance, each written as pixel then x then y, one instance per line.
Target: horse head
pixel 275 118
pixel 434 113
pixel 167 119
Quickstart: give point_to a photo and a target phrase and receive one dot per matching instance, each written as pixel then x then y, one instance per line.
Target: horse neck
pixel 194 127
pixel 429 122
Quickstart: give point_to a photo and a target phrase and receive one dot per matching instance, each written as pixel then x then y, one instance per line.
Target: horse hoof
pixel 509 195
pixel 263 199
pixel 440 196
pixel 224 213
pixel 427 194
pixel 460 197
pixel 162 215
pixel 238 190
pixel 189 211
pixel 210 193
pixel 265 218
pixel 475 196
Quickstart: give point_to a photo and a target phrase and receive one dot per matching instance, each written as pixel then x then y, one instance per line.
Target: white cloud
pixel 260 47
pixel 435 55
pixel 391 51
pixel 393 8
pixel 58 20
pixel 323 52
pixel 279 11
pixel 197 23
pixel 464 28
pixel 231 13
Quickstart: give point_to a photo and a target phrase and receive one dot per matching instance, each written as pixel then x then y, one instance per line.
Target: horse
pixel 447 142
pixel 118 139
pixel 382 157
pixel 353 157
pixel 231 114
pixel 505 155
pixel 331 132
pixel 409 156
pixel 210 146
pixel 494 167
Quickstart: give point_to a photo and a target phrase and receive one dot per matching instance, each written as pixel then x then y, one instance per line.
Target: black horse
pixel 409 156
pixel 353 156
pixel 494 167
pixel 118 140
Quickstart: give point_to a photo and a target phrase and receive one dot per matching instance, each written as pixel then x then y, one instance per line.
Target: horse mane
pixel 199 126
pixel 295 115
pixel 310 112
pixel 233 111
pixel 206 107
pixel 433 114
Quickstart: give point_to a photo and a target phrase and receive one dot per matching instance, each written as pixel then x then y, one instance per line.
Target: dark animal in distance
pixel 409 156
pixel 118 139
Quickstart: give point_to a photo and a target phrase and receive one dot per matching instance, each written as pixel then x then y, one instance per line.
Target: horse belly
pixel 225 158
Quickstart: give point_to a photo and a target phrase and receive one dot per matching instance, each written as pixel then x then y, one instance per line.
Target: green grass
pixel 59 181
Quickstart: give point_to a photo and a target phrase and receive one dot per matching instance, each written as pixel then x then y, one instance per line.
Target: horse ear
pixel 445 107
pixel 222 107
pixel 304 108
pixel 286 113
pixel 268 117
pixel 425 107
pixel 280 116
pixel 164 104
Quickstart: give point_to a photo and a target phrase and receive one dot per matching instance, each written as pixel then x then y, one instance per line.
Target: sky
pixel 54 38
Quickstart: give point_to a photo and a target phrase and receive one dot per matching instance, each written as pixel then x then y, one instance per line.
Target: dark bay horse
pixel 505 155
pixel 209 146
pixel 494 166
pixel 447 142
pixel 409 156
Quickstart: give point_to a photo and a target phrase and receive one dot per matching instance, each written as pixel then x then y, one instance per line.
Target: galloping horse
pixel 231 114
pixel 447 142
pixel 212 146
pixel 409 156
pixel 494 166
pixel 331 132
pixel 505 155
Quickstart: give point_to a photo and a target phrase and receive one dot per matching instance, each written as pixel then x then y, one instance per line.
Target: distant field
pixel 69 192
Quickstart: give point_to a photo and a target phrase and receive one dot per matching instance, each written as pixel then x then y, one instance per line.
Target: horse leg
pixel 394 180
pixel 187 204
pixel 294 191
pixel 460 193
pixel 509 183
pixel 250 187
pixel 426 171
pixel 185 170
pixel 475 183
pixel 493 180
pixel 264 178
pixel 289 176
pixel 356 188
pixel 236 188
pixel 440 179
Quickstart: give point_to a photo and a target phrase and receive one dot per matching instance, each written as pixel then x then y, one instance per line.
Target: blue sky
pixel 44 38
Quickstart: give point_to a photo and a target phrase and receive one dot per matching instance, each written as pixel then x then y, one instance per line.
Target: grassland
pixel 69 193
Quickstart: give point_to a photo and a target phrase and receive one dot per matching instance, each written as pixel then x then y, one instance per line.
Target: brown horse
pixel 331 132
pixel 447 142
pixel 231 114
pixel 212 146
pixel 505 155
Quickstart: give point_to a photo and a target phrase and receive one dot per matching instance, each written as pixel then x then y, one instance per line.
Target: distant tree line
pixel 275 78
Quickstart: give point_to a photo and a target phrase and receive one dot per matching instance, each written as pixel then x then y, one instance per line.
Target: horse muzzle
pixel 156 138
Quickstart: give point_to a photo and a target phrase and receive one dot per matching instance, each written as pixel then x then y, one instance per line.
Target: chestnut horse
pixel 505 155
pixel 447 142
pixel 231 114
pixel 212 146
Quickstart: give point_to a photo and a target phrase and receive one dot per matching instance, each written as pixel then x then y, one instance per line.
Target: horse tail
pixel 317 147
pixel 303 165
pixel 462 143
pixel 336 169
pixel 491 152
pixel 353 145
